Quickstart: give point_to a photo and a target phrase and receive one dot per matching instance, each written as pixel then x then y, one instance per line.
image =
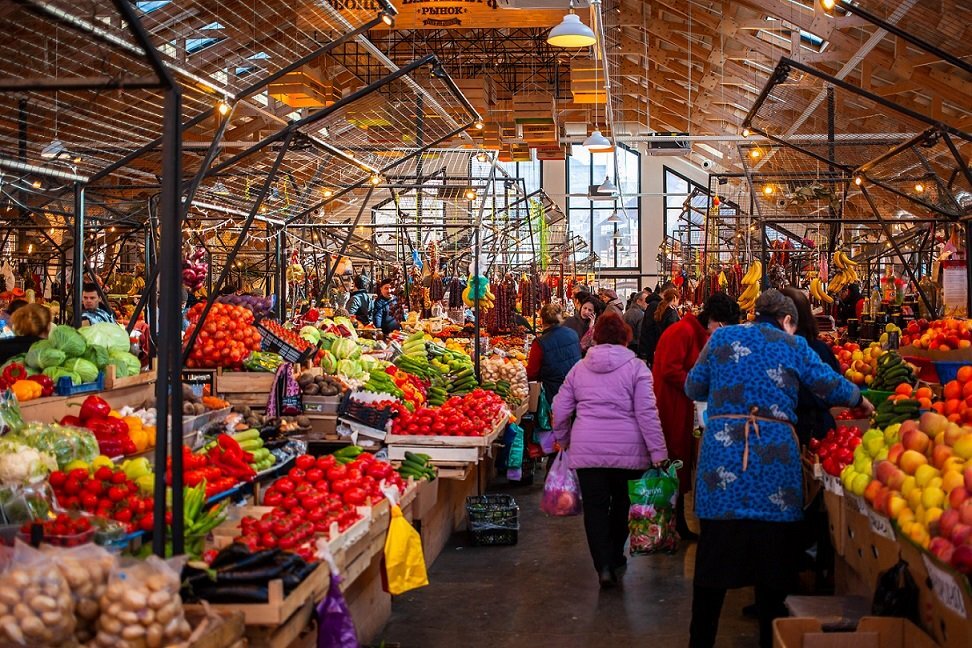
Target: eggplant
pixel 235 594
pixel 263 575
pixel 252 561
pixel 230 555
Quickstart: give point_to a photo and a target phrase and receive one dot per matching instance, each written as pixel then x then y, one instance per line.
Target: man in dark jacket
pixel 649 335
pixel 361 302
pixel 383 316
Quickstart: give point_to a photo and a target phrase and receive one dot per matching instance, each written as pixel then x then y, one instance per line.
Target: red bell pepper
pixel 14 372
pixel 47 385
pixel 73 421
pixel 93 407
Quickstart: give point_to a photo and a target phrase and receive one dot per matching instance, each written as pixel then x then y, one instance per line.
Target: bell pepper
pixel 73 421
pixel 94 407
pixel 101 427
pixel 47 385
pixel 14 372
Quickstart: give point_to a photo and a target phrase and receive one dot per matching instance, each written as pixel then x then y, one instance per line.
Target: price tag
pixel 858 504
pixel 818 474
pixel 831 484
pixel 946 588
pixel 880 525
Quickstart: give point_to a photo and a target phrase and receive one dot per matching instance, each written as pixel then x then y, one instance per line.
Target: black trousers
pixel 707 607
pixel 606 503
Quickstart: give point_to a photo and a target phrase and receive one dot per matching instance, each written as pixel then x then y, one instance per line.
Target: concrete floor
pixel 543 592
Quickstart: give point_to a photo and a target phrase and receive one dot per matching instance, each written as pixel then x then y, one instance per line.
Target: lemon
pixel 77 463
pixel 102 460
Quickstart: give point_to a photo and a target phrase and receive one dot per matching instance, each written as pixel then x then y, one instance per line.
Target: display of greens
pixel 81 355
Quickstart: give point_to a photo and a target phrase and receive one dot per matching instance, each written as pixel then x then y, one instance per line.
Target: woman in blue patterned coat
pixel 748 492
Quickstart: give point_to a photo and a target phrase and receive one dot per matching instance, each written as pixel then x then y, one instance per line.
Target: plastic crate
pixel 65 387
pixel 270 342
pixel 493 520
pixel 948 371
pixel 364 413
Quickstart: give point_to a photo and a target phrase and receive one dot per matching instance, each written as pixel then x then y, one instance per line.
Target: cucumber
pixel 246 435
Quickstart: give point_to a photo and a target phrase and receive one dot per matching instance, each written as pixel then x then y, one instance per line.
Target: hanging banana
pixel 751 280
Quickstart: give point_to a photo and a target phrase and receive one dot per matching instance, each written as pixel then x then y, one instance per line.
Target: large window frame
pixel 587 218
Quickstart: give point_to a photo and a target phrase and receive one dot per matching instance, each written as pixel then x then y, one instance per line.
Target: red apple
pixel 889 475
pixel 940 453
pixel 947 523
pixel 960 533
pixel 941 549
pixel 894 453
pixel 962 559
pixel 914 439
pixel 968 478
pixel 957 497
pixel 965 510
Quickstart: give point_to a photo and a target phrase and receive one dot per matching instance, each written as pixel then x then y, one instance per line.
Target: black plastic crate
pixel 270 342
pixel 364 413
pixel 493 520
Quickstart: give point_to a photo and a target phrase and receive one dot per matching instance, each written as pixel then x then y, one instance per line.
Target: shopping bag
pixel 404 562
pixel 335 627
pixel 651 517
pixel 561 491
pixel 544 418
pixel 515 457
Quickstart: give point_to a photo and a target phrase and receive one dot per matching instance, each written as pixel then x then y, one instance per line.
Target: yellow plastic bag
pixel 404 562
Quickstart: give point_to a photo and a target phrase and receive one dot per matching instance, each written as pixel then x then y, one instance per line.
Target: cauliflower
pixel 21 464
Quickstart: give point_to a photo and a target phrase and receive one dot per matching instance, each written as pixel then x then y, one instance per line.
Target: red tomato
pixel 304 461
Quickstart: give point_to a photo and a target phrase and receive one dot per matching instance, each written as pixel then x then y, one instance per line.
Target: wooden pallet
pixel 244 382
pixel 112 381
pixel 479 441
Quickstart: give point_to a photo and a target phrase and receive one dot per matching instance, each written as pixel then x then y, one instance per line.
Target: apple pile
pixel 940 335
pixel 925 486
pixel 836 450
pixel 858 365
pixel 874 447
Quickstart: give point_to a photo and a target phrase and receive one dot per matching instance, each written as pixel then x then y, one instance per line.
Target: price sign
pixel 199 380
pixel 880 525
pixel 832 484
pixel 946 588
pixel 857 504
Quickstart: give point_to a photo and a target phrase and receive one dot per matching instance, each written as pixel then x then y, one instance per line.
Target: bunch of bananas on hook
pixel 846 274
pixel 750 281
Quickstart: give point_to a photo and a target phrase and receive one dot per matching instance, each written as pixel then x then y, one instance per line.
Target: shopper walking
pixel 575 321
pixel 655 322
pixel 605 415
pixel 748 492
pixel 385 307
pixel 361 304
pixel 611 302
pixel 678 349
pixel 633 316
pixel 553 353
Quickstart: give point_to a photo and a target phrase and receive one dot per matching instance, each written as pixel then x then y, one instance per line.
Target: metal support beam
pixel 78 246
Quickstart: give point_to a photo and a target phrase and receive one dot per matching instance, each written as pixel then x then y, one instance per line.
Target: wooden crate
pixel 112 381
pixel 53 408
pixel 244 382
pixel 287 634
pixel 481 441
pixel 278 608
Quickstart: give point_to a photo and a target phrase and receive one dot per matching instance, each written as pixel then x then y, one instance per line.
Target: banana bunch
pixel 747 300
pixel 486 300
pixel 295 273
pixel 819 293
pixel 846 274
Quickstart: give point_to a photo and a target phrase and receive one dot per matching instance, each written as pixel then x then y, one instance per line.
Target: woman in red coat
pixel 678 349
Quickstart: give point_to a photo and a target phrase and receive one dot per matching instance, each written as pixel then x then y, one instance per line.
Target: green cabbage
pixel 66 339
pixel 311 334
pixel 87 370
pixel 111 336
pixel 42 355
pixel 125 363
pixel 56 373
pixel 97 355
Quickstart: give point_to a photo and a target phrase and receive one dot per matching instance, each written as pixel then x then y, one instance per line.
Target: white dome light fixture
pixel 596 142
pixel 571 32
pixel 614 218
pixel 607 186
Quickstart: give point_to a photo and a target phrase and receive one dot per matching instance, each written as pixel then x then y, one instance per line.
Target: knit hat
pixel 773 303
pixel 607 292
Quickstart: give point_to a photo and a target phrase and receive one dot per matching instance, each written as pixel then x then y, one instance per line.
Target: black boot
pixel 606 578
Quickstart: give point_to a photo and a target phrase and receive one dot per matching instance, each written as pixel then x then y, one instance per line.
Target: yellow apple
pixel 932 498
pixel 951 479
pixel 908 485
pixel 924 473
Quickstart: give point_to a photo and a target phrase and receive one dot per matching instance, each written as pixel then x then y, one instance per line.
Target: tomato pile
pixel 286 335
pixel 107 493
pixel 474 414
pixel 226 337
pixel 196 468
pixel 853 414
pixel 63 531
pixel 313 495
pixel 836 450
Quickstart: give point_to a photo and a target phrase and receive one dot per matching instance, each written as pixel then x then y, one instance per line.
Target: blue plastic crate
pixel 65 387
pixel 948 370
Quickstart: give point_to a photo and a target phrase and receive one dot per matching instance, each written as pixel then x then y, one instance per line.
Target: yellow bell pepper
pixel 134 423
pixel 114 414
pixel 140 438
pixel 26 390
pixel 149 431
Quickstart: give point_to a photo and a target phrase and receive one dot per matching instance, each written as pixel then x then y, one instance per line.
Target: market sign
pixel 456 14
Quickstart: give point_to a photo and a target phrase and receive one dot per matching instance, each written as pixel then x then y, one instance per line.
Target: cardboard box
pixel 858 534
pixel 836 521
pixel 872 632
pixel 534 396
pixel 944 596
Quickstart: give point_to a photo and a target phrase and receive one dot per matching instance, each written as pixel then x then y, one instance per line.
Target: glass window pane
pixel 603 237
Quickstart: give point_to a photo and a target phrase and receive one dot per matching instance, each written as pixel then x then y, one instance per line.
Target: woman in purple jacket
pixel 605 414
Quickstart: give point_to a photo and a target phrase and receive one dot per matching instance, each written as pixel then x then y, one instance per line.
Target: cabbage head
pixel 42 355
pixel 97 355
pixel 111 336
pixel 66 339
pixel 86 370
pixel 125 363
pixel 56 373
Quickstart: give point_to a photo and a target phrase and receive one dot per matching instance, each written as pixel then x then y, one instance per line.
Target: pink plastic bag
pixel 561 491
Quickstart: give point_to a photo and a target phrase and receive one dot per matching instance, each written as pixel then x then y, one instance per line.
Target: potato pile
pixel 141 608
pixel 496 368
pixel 36 607
pixel 320 385
pixel 86 569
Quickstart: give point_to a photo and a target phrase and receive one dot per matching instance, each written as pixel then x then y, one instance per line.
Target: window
pixel 610 228
pixel 677 188
pixel 528 172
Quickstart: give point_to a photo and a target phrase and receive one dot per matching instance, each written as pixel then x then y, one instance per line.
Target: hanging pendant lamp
pixel 596 142
pixel 571 32
pixel 607 186
pixel 614 218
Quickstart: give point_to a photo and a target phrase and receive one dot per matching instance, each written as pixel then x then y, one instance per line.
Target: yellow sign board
pixel 456 14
